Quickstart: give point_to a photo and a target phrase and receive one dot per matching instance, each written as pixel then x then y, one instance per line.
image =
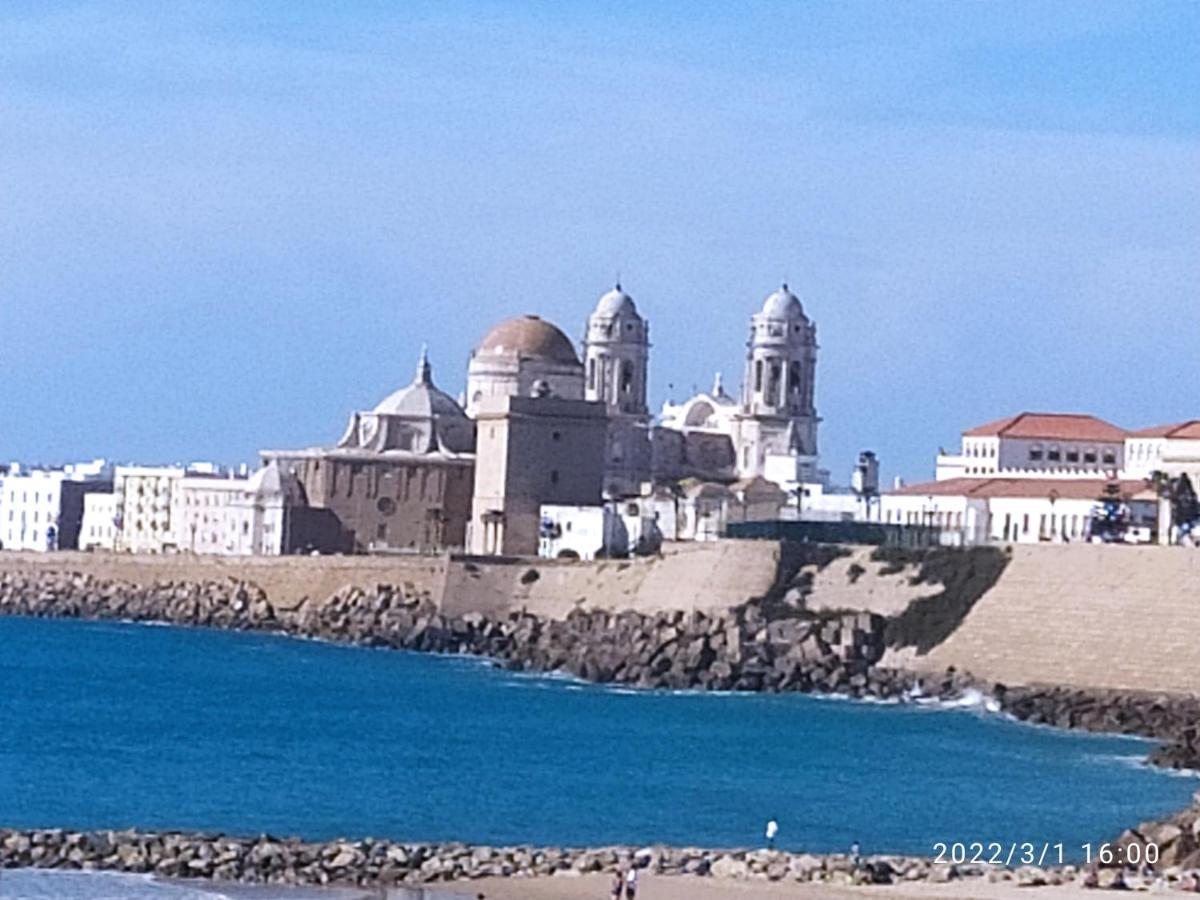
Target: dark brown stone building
pixel 401 477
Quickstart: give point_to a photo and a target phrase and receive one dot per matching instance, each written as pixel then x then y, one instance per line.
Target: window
pixel 556 435
pixel 381 531
pixel 1110 458
pixel 1035 453
pixel 1089 456
pixel 591 374
pixel 1072 456
pixel 758 372
pixel 794 378
pixel 773 377
pixel 554 476
pixel 626 377
pixel 1053 454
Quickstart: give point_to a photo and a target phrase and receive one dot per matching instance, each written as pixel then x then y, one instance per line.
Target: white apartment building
pixel 202 509
pixel 1039 477
pixel 143 497
pixel 42 508
pixel 99 528
pixel 1038 445
pixel 1173 449
pixel 233 515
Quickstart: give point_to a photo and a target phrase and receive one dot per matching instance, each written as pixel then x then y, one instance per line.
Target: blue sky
pixel 223 226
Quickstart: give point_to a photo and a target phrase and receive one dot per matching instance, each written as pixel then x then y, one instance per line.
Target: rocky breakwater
pixel 227 603
pixel 368 863
pixel 742 650
pixel 1175 841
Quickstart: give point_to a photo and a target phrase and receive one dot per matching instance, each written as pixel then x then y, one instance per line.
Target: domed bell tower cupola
pixel 781 359
pixel 779 417
pixel 617 353
pixel 616 360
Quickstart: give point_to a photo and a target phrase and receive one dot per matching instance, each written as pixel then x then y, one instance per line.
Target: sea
pixel 116 725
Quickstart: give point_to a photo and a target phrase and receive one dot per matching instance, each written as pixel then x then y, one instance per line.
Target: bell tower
pixel 778 417
pixel 616 360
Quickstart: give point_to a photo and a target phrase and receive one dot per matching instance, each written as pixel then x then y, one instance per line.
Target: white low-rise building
pixel 582 532
pixel 42 508
pixel 1017 510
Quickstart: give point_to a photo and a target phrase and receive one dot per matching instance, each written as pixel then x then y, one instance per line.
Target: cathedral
pixel 542 423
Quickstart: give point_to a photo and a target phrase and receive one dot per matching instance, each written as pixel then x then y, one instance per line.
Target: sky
pixel 225 226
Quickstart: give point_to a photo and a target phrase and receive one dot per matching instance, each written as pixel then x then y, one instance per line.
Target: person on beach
pixel 855 853
pixel 772 830
pixel 618 885
pixel 631 879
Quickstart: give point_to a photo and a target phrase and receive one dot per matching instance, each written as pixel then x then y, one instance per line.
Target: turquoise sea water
pixel 113 725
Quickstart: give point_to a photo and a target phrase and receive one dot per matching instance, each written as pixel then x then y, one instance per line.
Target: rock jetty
pixel 368 863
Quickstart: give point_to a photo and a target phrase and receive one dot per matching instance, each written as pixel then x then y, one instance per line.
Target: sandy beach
pixel 683 887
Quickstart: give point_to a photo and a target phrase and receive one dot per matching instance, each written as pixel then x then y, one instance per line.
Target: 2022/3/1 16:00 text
pixel 1031 853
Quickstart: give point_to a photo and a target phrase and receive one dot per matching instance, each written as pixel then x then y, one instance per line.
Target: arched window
pixel 626 377
pixel 794 378
pixel 758 372
pixel 591 374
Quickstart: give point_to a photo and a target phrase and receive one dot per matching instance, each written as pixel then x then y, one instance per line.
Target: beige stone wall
pixel 1086 615
pixel 687 576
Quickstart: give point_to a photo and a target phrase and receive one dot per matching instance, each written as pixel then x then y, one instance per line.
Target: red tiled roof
pixel 1185 430
pixel 1050 427
pixel 984 488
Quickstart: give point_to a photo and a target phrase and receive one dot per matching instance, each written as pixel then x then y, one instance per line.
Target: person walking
pixel 772 830
pixel 618 885
pixel 631 883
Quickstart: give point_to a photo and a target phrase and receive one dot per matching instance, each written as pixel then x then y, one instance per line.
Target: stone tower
pixel 616 359
pixel 777 429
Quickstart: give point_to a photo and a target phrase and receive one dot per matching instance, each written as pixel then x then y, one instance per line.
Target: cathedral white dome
pixel 783 304
pixel 614 303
